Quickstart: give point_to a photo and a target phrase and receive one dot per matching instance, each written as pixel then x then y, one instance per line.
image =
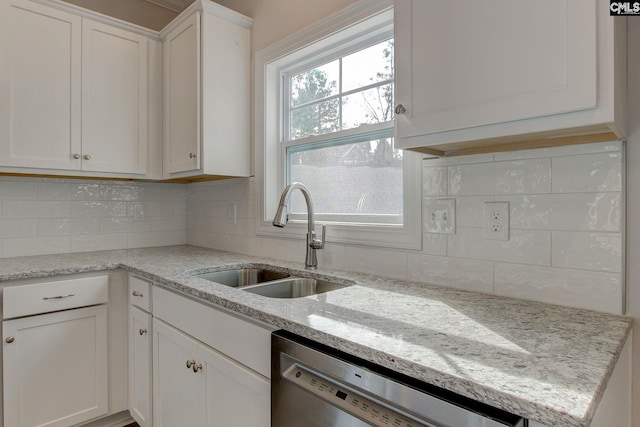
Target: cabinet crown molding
pixel 209 7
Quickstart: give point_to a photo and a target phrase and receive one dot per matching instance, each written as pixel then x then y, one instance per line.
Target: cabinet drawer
pixel 140 293
pixel 25 300
pixel 241 340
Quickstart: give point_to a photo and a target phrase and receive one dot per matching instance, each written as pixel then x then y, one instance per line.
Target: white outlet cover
pixel 440 216
pixel 496 221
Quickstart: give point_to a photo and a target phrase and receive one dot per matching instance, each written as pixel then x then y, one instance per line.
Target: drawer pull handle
pixel 142 331
pixel 58 297
pixel 197 367
pixel 137 294
pixel 9 340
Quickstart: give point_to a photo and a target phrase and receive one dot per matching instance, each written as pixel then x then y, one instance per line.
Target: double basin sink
pixel 271 283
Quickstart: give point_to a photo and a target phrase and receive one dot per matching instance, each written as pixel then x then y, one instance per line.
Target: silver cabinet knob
pixel 400 109
pixel 190 363
pixel 142 331
pixel 87 157
pixel 76 156
pixel 192 155
pixel 137 294
pixel 9 340
pixel 197 367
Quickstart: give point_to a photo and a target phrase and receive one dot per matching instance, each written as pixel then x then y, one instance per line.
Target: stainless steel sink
pixel 241 277
pixel 294 288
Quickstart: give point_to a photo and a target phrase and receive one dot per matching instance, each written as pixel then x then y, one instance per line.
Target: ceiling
pixel 174 5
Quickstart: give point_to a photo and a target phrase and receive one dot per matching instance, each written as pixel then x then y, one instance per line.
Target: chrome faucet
pixel 281 218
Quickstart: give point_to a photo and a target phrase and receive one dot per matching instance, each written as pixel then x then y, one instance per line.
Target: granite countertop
pixel 544 362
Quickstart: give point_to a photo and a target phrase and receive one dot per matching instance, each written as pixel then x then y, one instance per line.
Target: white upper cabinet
pixel 471 74
pixel 206 86
pixel 75 92
pixel 114 99
pixel 39 86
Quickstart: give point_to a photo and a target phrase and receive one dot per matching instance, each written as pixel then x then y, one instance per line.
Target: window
pixel 328 123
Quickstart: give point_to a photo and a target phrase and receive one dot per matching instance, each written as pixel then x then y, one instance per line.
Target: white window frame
pixel 363 18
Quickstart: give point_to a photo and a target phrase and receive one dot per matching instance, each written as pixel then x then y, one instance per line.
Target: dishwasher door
pixel 315 386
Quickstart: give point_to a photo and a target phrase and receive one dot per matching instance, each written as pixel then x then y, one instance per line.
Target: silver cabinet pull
pixel 192 155
pixel 400 109
pixel 190 363
pixel 137 294
pixel 87 157
pixel 58 297
pixel 9 340
pixel 142 331
pixel 197 367
pixel 76 156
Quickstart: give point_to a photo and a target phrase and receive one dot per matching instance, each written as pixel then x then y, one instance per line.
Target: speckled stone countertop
pixel 543 362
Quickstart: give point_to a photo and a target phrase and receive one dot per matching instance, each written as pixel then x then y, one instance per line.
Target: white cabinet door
pixel 182 97
pixel 140 364
pixel 39 86
pixel 179 393
pixel 196 386
pixel 235 394
pixel 468 64
pixel 114 99
pixel 55 368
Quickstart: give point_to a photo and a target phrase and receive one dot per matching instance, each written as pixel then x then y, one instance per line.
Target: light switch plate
pixel 440 216
pixel 496 220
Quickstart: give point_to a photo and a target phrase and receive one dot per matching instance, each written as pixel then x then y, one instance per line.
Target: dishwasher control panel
pixel 349 401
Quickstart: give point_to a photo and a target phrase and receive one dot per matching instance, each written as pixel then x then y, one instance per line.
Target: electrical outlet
pixel 496 220
pixel 440 216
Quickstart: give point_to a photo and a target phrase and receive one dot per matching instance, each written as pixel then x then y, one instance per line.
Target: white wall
pixel 46 216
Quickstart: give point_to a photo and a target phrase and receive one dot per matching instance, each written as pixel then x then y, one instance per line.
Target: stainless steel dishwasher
pixel 314 385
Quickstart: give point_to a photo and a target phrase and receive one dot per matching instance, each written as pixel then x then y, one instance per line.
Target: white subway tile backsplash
pixel 84 225
pixel 565 150
pixel 54 191
pixel 591 251
pixel 460 273
pixel 98 242
pixel 54 227
pixel 379 262
pixel 18 190
pixel 523 246
pixel 564 286
pixel 434 181
pixel 434 244
pixel 17 209
pixel 26 246
pixel 574 211
pixel 123 192
pixel 43 216
pixel 470 210
pixel 588 173
pixel 84 191
pixel 18 228
pixel 510 177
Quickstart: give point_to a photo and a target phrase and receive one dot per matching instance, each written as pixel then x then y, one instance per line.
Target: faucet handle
pixel 319 243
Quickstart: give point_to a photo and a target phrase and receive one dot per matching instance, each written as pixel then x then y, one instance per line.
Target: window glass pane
pixel 368 66
pixel 349 179
pixel 315 119
pixel 315 84
pixel 370 106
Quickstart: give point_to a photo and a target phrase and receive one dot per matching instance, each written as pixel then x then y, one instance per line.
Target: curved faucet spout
pixel 281 217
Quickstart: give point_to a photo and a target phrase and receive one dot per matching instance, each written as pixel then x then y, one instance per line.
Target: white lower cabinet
pixel 196 386
pixel 55 368
pixel 140 366
pixel 191 364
